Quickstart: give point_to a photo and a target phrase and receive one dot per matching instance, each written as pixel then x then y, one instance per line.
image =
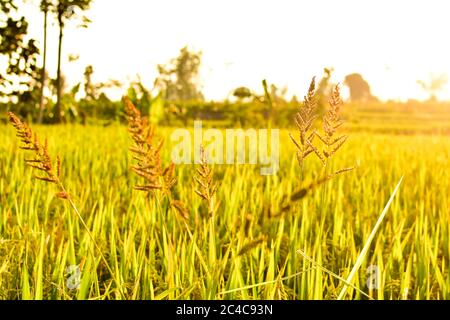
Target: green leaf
pixel 156 111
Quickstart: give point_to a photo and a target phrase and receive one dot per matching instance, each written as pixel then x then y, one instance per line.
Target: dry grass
pixel 206 187
pixel 331 124
pixel 149 166
pixel 42 160
pixel 304 120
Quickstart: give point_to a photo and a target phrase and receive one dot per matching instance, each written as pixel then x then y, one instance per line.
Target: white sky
pixel 392 43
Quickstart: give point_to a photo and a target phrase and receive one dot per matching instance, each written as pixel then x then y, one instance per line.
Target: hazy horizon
pixel 391 44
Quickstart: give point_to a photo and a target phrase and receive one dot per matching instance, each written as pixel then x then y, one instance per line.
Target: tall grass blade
pixel 363 253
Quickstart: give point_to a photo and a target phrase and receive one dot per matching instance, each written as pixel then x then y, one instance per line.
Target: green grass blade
pixel 363 253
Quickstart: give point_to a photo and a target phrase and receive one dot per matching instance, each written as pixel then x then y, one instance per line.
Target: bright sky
pixel 391 43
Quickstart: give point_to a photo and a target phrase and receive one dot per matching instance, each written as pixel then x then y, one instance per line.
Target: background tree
pixel 325 86
pixel 45 7
pixel 278 95
pixel 179 79
pixel 140 95
pixel 324 90
pixel 359 88
pixel 433 85
pixel 90 88
pixel 19 81
pixel 242 93
pixel 95 102
pixel 66 10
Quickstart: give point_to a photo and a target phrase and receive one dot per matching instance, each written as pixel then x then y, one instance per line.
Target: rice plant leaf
pixel 364 251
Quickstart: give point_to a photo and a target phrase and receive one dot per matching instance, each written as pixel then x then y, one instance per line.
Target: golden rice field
pixel 243 252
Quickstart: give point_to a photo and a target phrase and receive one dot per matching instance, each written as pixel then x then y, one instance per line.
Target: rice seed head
pixel 344 170
pixel 180 208
pixel 304 121
pixel 311 98
pixel 251 245
pixel 146 151
pixel 42 160
pixel 206 187
pixel 331 123
pixel 302 192
pixel 147 156
pixel 62 195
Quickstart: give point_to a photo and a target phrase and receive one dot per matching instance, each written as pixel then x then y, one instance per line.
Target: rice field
pixel 243 252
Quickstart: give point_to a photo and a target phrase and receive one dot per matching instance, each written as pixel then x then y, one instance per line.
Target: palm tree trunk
pixel 58 77
pixel 44 72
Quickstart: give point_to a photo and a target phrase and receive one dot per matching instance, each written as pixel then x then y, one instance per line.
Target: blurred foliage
pixel 359 88
pixel 179 79
pixel 140 96
pixel 175 99
pixel 19 80
pixel 242 93
pixel 433 85
pixel 66 10
pixel 246 109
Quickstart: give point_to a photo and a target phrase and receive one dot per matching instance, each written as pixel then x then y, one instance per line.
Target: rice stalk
pixel 51 173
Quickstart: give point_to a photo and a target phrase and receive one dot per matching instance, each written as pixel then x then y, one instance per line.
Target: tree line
pixel 24 81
